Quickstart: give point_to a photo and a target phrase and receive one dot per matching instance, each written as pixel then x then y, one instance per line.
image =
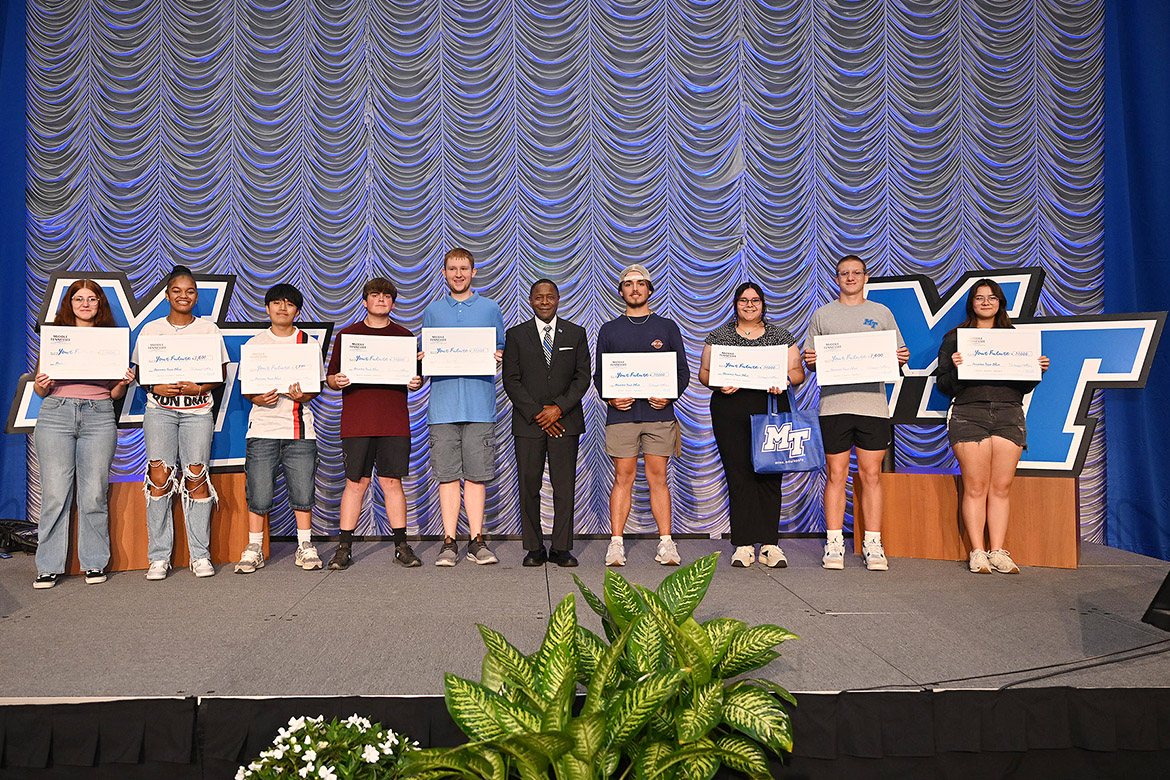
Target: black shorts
pixel 391 453
pixel 843 432
pixel 982 419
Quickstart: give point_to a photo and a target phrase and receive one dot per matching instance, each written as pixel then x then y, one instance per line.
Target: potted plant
pixel 350 749
pixel 660 701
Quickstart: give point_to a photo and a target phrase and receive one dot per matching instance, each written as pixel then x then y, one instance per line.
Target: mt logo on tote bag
pixel 786 441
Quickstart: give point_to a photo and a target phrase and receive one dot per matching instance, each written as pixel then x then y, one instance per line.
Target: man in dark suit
pixel 546 373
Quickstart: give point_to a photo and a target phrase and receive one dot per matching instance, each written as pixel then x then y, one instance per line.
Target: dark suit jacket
pixel 531 384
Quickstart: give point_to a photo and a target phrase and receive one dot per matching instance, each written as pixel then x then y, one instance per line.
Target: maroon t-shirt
pixel 371 410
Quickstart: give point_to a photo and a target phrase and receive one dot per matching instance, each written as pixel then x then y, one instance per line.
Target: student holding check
pixel 76 437
pixel 985 425
pixel 177 426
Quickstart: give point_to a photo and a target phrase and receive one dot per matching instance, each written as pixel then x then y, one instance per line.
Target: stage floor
pixel 379 629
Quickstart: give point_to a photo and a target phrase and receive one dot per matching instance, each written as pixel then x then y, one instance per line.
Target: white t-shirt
pixel 288 419
pixel 200 326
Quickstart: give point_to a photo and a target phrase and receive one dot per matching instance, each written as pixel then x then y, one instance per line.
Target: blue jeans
pixel 74 437
pixel 185 437
pixel 299 458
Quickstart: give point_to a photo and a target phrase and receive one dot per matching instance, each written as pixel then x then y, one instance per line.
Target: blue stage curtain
pixel 323 143
pixel 1137 261
pixel 13 470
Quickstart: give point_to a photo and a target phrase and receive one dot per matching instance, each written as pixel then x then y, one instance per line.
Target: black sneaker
pixel 405 555
pixel 94 576
pixel 341 559
pixel 45 581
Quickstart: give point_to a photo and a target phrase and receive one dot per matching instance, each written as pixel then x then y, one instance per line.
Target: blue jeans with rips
pixel 74 438
pixel 186 437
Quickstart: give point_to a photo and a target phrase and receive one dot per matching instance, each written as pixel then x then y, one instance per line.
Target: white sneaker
pixel 615 554
pixel 977 562
pixel 773 557
pixel 158 570
pixel 667 553
pixel 1002 562
pixel 875 556
pixel 834 557
pixel 251 559
pixel 307 557
pixel 201 567
pixel 743 557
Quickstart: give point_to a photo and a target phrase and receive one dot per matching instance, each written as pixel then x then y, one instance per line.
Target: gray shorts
pixel 463 451
pixel 622 440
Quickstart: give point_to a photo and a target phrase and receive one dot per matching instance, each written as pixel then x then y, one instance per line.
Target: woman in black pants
pixel 754 498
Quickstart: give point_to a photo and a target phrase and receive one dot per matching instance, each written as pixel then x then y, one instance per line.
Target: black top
pixel 963 392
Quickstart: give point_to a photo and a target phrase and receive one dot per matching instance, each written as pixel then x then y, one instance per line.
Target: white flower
pixel 241 773
pixel 296 724
pixel 310 755
pixel 254 767
pixel 304 771
pixel 326 773
pixel 296 747
pixel 370 754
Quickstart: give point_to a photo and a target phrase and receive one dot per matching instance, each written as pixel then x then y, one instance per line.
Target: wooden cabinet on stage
pixel 229 526
pixel 920 519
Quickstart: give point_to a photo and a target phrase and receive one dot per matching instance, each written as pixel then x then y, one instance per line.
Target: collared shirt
pixel 455 399
pixel 541 325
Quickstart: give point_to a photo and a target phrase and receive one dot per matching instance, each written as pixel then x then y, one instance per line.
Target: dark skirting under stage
pixel 922 671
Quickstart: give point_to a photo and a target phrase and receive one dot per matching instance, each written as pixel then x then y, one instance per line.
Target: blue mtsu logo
pixel 785 438
pixel 1087 352
pixel 215 294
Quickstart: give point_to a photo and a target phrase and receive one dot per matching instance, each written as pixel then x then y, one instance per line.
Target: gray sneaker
pixel 448 554
pixel 772 556
pixel 251 560
pixel 307 557
pixel 158 570
pixel 478 552
pixel 201 567
pixel 977 562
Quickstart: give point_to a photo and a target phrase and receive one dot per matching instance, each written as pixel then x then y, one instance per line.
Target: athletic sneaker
pixel 875 556
pixel 307 557
pixel 615 554
pixel 977 562
pixel 773 557
pixel 201 567
pixel 342 558
pixel 743 557
pixel 158 570
pixel 45 581
pixel 834 557
pixel 668 553
pixel 405 555
pixel 477 551
pixel 1002 562
pixel 448 554
pixel 251 559
pixel 94 576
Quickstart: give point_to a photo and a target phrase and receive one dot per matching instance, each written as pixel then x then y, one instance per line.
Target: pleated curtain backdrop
pixel 325 143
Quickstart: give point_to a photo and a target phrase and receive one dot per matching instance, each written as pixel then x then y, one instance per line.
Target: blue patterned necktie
pixel 547 345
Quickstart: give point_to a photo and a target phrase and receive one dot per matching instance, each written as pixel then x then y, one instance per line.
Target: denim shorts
pixel 982 419
pixel 463 451
pixel 299 458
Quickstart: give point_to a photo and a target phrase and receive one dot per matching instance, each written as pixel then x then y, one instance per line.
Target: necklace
pixel 746 331
pixel 178 327
pixel 643 322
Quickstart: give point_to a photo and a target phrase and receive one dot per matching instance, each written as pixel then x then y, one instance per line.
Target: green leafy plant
pixel 351 749
pixel 658 702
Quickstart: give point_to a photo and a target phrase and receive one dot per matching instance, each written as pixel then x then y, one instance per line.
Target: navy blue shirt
pixel 648 333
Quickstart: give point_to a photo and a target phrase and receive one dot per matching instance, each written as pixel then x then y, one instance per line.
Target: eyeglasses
pixel 986 299
pixel 844 274
pixel 79 299
pixel 749 301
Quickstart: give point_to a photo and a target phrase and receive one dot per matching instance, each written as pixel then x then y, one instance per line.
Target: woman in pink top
pixel 76 437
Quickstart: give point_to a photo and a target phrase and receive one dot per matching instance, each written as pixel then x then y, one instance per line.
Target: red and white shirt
pixel 288 419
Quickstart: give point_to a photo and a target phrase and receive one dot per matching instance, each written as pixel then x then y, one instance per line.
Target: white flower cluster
pixel 299 749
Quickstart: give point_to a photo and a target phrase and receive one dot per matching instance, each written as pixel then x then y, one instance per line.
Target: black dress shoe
pixel 562 558
pixel 535 558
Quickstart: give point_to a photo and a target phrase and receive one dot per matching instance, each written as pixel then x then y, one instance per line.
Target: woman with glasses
pixel 985 426
pixel 75 438
pixel 177 426
pixel 754 498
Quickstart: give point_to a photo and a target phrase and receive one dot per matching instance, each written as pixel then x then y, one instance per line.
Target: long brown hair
pixel 65 315
pixel 1002 320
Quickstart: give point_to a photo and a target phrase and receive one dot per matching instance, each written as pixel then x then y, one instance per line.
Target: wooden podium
pixel 229 526
pixel 920 519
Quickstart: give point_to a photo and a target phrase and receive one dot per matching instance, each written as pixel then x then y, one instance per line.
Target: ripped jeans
pixel 185 437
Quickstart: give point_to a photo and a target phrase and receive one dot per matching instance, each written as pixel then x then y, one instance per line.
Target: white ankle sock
pixel 873 536
pixel 256 538
pixel 305 535
pixel 835 536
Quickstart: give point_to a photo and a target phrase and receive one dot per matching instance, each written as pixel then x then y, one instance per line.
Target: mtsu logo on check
pixel 785 438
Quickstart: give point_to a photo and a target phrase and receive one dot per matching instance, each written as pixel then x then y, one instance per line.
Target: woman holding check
pixel 177 425
pixel 754 498
pixel 985 425
pixel 76 436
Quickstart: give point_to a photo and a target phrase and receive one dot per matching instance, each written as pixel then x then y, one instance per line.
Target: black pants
pixel 754 498
pixel 562 470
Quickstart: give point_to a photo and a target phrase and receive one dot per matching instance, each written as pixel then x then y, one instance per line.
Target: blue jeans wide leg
pixel 195 432
pixel 56 460
pixel 96 444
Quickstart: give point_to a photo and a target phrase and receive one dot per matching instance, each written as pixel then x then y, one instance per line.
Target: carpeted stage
pixel 922 671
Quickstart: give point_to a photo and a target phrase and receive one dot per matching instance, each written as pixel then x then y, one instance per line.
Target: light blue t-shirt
pixel 457 399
